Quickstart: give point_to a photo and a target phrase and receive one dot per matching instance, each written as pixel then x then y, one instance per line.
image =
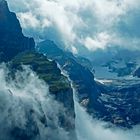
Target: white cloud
pixel 75 21
pixel 26 101
pixel 28 20
pixel 74 50
pixel 101 41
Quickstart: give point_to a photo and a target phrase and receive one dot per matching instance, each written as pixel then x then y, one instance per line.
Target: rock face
pixel 137 73
pixel 80 75
pixel 121 101
pixel 17 50
pixel 12 41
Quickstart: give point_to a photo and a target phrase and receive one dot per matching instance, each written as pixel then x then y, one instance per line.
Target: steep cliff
pixel 137 72
pixel 83 79
pixel 12 41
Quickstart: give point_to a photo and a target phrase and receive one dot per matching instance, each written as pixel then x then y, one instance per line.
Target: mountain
pixel 11 36
pixel 121 100
pixel 59 86
pixel 83 78
pixel 113 101
pixel 18 51
pixel 114 70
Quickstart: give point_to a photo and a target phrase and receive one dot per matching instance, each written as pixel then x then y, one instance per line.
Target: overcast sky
pixel 90 23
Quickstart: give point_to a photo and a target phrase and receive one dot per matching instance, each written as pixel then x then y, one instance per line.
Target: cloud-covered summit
pixel 91 23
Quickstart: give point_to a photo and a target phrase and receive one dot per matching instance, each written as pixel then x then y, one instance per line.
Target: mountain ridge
pixel 11 36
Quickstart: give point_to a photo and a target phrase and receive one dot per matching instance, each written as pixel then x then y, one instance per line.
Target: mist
pixel 93 129
pixel 27 108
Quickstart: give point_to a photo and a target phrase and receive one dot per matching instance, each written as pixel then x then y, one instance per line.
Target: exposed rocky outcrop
pixel 137 73
pixel 121 101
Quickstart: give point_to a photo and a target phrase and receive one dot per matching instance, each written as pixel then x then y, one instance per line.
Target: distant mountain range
pixel 115 61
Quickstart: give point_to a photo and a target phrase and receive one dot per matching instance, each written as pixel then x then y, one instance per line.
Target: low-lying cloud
pixel 93 129
pixel 81 23
pixel 27 109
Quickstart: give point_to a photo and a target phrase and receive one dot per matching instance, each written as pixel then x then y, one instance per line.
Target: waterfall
pixel 83 125
pixel 81 116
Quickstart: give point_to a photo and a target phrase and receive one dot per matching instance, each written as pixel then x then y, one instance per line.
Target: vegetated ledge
pixel 45 69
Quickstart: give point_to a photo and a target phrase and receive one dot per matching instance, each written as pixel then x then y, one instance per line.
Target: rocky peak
pixel 12 40
pixel 8 20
